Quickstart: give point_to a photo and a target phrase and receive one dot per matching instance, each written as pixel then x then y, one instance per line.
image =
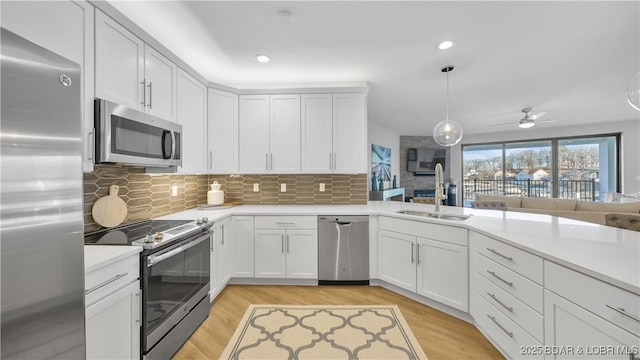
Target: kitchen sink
pixel 434 215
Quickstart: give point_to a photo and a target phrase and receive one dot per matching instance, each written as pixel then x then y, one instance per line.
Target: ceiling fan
pixel 528 121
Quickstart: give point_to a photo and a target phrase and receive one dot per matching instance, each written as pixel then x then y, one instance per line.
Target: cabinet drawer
pixel 594 295
pixel 505 333
pixel 513 308
pixel 449 234
pixel 515 284
pixel 518 260
pixel 107 280
pixel 286 222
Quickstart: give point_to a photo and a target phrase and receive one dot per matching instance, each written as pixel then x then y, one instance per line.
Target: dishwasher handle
pixel 342 223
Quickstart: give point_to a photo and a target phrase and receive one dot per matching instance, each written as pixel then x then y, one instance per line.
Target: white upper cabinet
pixel 119 64
pixel 284 139
pixel 253 147
pixel 222 119
pixel 131 73
pixel 269 134
pixel 66 28
pixel 350 133
pixel 192 115
pixel 317 133
pixel 334 133
pixel 160 84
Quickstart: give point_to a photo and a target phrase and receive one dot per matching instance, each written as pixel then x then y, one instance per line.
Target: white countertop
pixel 97 256
pixel 606 253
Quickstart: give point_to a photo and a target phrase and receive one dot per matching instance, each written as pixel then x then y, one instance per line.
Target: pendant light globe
pixel 633 92
pixel 447 132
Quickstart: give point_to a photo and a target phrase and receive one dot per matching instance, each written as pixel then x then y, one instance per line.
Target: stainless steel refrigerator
pixel 41 221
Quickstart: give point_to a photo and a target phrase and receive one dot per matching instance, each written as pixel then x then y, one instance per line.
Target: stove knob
pixel 205 220
pixel 148 239
pixel 198 222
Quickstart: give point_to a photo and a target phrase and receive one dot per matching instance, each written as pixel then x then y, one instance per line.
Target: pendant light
pixel 447 132
pixel 633 92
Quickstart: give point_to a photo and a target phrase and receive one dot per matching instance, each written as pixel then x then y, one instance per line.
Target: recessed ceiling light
pixel 445 45
pixel 262 58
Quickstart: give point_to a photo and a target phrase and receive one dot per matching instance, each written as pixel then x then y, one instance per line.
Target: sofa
pixel 590 211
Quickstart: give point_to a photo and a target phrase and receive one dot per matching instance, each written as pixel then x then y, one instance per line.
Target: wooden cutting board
pixel 110 210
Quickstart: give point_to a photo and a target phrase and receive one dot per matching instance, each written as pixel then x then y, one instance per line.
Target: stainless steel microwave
pixel 131 137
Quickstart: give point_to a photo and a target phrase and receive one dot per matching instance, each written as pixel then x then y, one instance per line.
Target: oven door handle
pixel 154 259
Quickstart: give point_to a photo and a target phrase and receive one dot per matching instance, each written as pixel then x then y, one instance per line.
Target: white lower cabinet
pixel 220 256
pixel 286 247
pixel 112 313
pixel 113 325
pixel 434 267
pixel 575 332
pixel 242 247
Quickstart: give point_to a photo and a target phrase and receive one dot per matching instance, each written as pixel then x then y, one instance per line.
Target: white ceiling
pixel 570 59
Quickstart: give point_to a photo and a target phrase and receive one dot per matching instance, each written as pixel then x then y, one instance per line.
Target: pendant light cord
pixel 447 118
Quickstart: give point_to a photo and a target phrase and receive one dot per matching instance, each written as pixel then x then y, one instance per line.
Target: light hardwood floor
pixel 440 335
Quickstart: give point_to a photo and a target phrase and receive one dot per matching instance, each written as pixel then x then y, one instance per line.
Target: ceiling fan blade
pixel 537 116
pixel 548 121
pixel 502 124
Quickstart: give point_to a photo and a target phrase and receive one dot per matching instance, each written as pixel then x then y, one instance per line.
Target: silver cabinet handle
pixel 623 312
pixel 271 161
pixel 287 243
pixel 91 144
pixel 266 161
pixel 103 284
pixel 330 161
pixel 211 240
pixel 222 241
pixel 501 255
pixel 144 92
pixel 138 295
pixel 285 223
pixel 493 296
pixel 210 159
pixel 335 162
pixel 150 94
pixel 282 242
pixel 499 278
pixel 412 259
pixel 500 326
pixel 418 254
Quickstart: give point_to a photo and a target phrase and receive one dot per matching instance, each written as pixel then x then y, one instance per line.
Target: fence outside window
pixel 567 189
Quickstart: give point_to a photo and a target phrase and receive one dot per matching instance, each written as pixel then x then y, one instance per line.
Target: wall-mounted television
pixel 422 161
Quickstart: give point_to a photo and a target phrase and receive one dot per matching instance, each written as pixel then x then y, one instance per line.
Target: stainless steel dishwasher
pixel 343 250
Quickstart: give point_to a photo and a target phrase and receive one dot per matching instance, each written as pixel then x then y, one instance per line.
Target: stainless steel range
pixel 174 272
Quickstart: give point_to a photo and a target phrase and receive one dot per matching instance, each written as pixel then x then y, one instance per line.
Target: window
pixel 583 168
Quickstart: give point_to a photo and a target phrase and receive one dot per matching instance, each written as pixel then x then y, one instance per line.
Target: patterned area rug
pixel 323 332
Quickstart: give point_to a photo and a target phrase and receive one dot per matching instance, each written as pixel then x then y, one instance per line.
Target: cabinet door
pixel 160 82
pixel 443 273
pixel 302 254
pixel 113 325
pixel 349 133
pixel 397 259
pixel 223 132
pixel 568 325
pixel 66 28
pixel 242 246
pixel 253 149
pixel 214 287
pixel 223 265
pixel 317 133
pixel 119 63
pixel 270 254
pixel 284 128
pixel 192 115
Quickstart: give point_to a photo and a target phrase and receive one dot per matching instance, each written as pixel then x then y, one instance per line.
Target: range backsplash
pixel 148 196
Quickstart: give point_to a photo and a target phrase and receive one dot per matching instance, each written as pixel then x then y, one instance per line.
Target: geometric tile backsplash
pixel 149 195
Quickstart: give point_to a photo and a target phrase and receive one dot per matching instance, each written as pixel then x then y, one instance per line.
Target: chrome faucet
pixel 439 186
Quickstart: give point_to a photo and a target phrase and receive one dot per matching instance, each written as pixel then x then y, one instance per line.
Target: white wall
pixel 630 145
pixel 381 136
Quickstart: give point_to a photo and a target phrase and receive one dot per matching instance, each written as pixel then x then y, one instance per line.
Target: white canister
pixel 215 196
